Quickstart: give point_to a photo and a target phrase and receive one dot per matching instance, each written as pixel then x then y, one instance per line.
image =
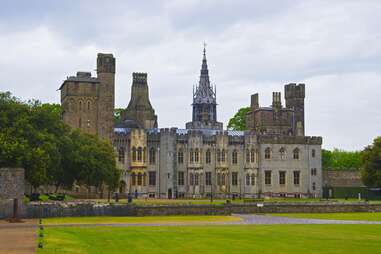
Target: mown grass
pixel 141 220
pixel 214 239
pixel 334 216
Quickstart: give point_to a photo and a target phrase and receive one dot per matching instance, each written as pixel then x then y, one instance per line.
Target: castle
pixel 273 157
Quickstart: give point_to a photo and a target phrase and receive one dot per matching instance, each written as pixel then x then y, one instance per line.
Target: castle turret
pixel 204 113
pixel 106 100
pixel 294 95
pixel 139 108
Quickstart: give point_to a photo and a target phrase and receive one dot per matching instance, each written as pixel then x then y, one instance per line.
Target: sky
pixel 253 46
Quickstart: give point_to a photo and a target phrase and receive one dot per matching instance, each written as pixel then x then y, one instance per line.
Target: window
pixel 313 186
pixel 247 156
pixel 196 177
pixel 268 177
pixel 218 155
pixel 234 178
pixel 191 158
pixel 313 171
pixel 313 153
pixel 121 155
pixel 282 153
pixel 296 177
pixel 223 153
pixel 282 177
pixel 152 178
pixel 134 153
pixel 191 179
pixel 140 154
pixel 80 105
pixel 223 179
pixel 219 179
pixel 247 179
pixel 196 155
pixel 144 154
pixel 140 179
pixel 152 156
pixel 252 155
pixel 296 153
pixel 208 178
pixel 234 157
pixel 252 179
pixel 88 105
pixel 208 156
pixel 180 178
pixel 133 178
pixel 180 156
pixel 267 153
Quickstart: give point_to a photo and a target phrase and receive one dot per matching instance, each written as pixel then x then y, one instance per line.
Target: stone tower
pixel 139 108
pixel 204 113
pixel 295 95
pixel 106 100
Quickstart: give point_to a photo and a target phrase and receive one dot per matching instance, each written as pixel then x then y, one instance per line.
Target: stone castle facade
pixel 273 157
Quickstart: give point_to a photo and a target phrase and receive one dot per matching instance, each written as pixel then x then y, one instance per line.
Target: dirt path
pixel 18 238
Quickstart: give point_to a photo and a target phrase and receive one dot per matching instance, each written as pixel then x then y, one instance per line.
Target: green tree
pixel 341 160
pixel 371 168
pixel 117 114
pixel 238 121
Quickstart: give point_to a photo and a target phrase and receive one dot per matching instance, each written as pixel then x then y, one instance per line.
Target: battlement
pixel 275 139
pixel 292 90
pixel 105 63
pixel 139 78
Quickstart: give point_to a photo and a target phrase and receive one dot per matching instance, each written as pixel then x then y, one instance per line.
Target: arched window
pixel 80 105
pixel 252 179
pixel 191 156
pixel 218 155
pixel 180 157
pixel 152 156
pixel 247 155
pixel 313 153
pixel 267 153
pixel 134 153
pixel 247 179
pixel 140 153
pixel 121 155
pixel 196 179
pixel 144 154
pixel 196 156
pixel 140 179
pixel 88 105
pixel 282 153
pixel 234 157
pixel 191 179
pixel 223 153
pixel 296 153
pixel 313 186
pixel 223 179
pixel 133 179
pixel 252 155
pixel 208 156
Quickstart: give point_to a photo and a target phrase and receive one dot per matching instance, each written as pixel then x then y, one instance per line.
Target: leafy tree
pixel 371 169
pixel 341 160
pixel 238 121
pixel 117 114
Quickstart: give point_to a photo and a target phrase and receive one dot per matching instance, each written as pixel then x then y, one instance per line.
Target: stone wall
pixel 341 178
pixel 67 209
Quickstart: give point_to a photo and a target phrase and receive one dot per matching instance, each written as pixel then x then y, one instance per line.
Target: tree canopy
pixel 33 136
pixel 238 121
pixel 371 168
pixel 341 160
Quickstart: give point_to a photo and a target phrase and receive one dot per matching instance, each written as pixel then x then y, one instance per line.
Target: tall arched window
pixel 296 153
pixel 218 155
pixel 252 179
pixel 140 153
pixel 282 153
pixel 191 156
pixel 134 153
pixel 208 157
pixel 88 105
pixel 252 155
pixel 196 156
pixel 247 179
pixel 140 179
pixel 152 156
pixel 180 156
pixel 121 155
pixel 234 157
pixel 313 153
pixel 247 155
pixel 80 105
pixel 133 179
pixel 268 153
pixel 223 153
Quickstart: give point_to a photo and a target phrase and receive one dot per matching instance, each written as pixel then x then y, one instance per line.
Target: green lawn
pixel 214 239
pixel 334 216
pixel 143 220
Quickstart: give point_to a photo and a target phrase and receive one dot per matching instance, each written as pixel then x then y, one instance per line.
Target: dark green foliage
pixel 33 136
pixel 238 121
pixel 371 169
pixel 117 114
pixel 341 160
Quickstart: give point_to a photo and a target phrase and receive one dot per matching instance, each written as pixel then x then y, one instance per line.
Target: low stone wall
pixel 6 208
pixel 75 210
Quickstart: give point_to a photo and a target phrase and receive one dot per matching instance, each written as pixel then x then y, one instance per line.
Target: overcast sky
pixel 334 47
